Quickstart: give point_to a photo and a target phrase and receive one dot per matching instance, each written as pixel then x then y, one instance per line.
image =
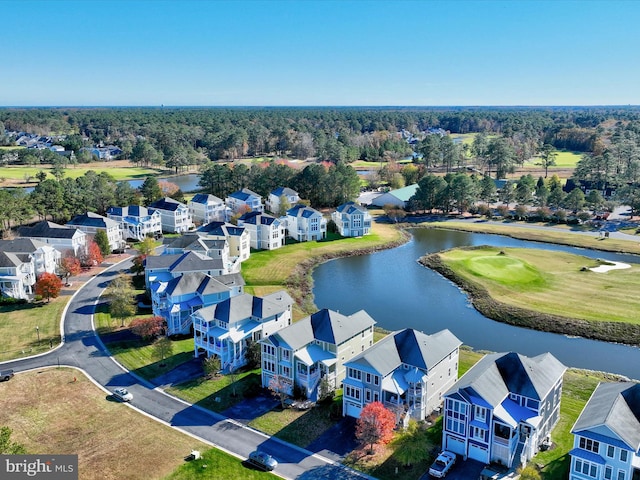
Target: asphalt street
pixel 82 348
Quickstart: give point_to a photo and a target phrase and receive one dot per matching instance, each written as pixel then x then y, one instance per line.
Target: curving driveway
pixel 82 348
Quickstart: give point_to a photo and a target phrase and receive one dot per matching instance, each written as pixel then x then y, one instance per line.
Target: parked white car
pixel 442 465
pixel 122 394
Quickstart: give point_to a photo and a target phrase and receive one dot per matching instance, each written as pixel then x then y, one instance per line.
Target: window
pixel 480 414
pixel 623 455
pixel 353 373
pixel 586 468
pixel 286 372
pixel 368 378
pixel 590 445
pixel 477 433
pixel 455 426
pixel 367 395
pixel 621 475
pixel 269 350
pixel 286 355
pixel 268 366
pixel 608 473
pixel 376 380
pixel 611 451
pixel 352 392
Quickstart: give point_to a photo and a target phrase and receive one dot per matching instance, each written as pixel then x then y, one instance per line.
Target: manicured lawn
pixel 49 413
pixel 119 173
pixel 542 281
pixel 18 334
pixel 564 159
pixel 217 465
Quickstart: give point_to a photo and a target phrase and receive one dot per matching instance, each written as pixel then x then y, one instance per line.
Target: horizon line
pixel 595 105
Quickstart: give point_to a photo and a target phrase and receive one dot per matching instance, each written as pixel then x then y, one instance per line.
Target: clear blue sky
pixel 307 53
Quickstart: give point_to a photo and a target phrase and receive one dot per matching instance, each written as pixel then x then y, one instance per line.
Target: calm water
pixel 398 293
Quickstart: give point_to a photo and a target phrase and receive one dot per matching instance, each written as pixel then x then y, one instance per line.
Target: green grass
pixel 564 159
pixel 603 297
pixel 118 173
pixel 218 393
pixel 216 465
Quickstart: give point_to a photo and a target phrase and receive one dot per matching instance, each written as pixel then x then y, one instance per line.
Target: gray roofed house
pixel 244 200
pixel 226 329
pixel 61 237
pixel 275 197
pixel 314 348
pixel 238 238
pixel 607 434
pixel 206 208
pixel 408 371
pixel 162 268
pixel 266 232
pixel 352 220
pixel 305 224
pixel 90 223
pixel 45 257
pixel 177 298
pixel 503 408
pixel 17 275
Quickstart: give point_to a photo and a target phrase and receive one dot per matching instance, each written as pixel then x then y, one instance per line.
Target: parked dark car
pixel 262 460
pixel 6 375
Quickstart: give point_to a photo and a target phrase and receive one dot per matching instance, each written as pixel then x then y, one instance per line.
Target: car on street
pixel 122 394
pixel 262 460
pixel 6 375
pixel 442 464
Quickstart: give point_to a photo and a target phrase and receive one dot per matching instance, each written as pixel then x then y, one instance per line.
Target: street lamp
pixel 38 333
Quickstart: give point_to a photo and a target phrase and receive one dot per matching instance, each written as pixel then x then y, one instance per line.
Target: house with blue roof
pixel 228 328
pixel 238 238
pixel 305 224
pixel 162 268
pixel 407 371
pixel 176 299
pixel 90 223
pixel 277 196
pixel 266 232
pixel 315 348
pixel 503 408
pixel 174 215
pixel 206 208
pixel 243 201
pixel 607 434
pixel 352 220
pixel 137 222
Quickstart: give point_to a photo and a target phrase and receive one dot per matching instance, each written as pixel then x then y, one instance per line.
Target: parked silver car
pixel 443 464
pixel 122 394
pixel 262 460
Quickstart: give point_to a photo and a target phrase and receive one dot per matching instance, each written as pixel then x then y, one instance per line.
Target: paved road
pixel 83 349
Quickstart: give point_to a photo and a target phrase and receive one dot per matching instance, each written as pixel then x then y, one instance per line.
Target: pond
pixel 400 293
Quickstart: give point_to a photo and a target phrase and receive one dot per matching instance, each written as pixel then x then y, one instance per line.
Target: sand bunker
pixel 610 266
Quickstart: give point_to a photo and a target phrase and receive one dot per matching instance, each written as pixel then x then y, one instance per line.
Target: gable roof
pixel 409 347
pixel 303 211
pixel 245 306
pixel 405 193
pixel 11 260
pixel 167 204
pixel 244 194
pixel 21 245
pixel 131 211
pixel 194 261
pixel 91 219
pixel 327 326
pixel 193 241
pixel 498 374
pixel 206 198
pixel 221 229
pixel 350 208
pixel 48 230
pixel 616 407
pixel 258 218
pixel 192 282
pixel 278 192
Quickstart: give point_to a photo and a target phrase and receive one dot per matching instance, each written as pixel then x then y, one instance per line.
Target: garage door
pixel 479 453
pixel 353 410
pixel 455 445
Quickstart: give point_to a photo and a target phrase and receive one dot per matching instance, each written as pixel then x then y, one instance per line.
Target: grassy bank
pixel 530 288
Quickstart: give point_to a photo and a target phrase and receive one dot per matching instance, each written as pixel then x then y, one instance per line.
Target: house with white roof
pixel 352 220
pixel 407 371
pixel 90 223
pixel 137 222
pixel 206 208
pixel 503 408
pixel 17 275
pixel 305 224
pixel 176 299
pixel 45 257
pixel 238 238
pixel 60 237
pixel 276 197
pixel 226 329
pixel 315 348
pixel 243 201
pixel 266 232
pixel 174 215
pixel 398 198
pixel 606 441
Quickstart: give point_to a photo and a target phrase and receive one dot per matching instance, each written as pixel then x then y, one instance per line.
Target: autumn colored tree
pixel 278 386
pixel 137 266
pixel 92 256
pixel 146 246
pixel 147 328
pixel 48 286
pixel 375 425
pixel 70 266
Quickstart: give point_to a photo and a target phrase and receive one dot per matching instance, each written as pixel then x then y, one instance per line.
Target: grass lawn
pixel 542 281
pixel 18 334
pixel 118 173
pixel 49 413
pixel 547 235
pixel 564 159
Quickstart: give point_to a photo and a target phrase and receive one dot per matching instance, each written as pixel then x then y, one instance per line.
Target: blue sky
pixel 308 53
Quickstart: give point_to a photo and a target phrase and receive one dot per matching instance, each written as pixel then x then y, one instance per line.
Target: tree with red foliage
pixel 70 266
pixel 48 286
pixel 147 328
pixel 375 425
pixel 93 255
pixel 137 265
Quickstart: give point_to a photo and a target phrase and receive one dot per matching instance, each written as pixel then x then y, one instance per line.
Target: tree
pixel 594 199
pixel 147 246
pixel 574 200
pixel 92 256
pixel 162 348
pixel 121 298
pixel 150 190
pixel 7 447
pixel 325 389
pixel 102 241
pixel 252 354
pixel 487 189
pixel 69 266
pixel 48 286
pixel 278 385
pixel 147 328
pixel 137 265
pixel 429 192
pixel 375 425
pixel 413 445
pixel 529 473
pixel 548 156
pixel 394 213
pixel 211 366
pixel 283 206
pixel 501 156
